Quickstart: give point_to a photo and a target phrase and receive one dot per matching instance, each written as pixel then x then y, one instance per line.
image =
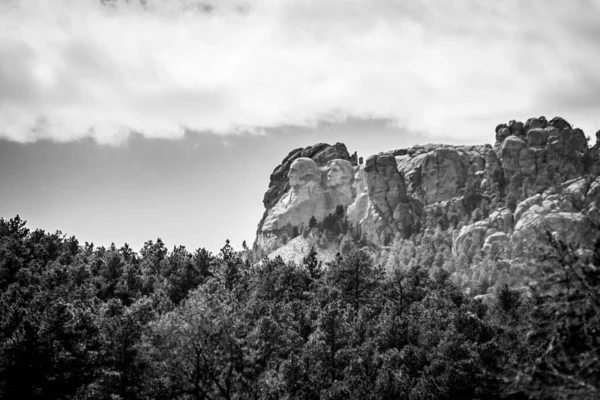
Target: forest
pixel 84 322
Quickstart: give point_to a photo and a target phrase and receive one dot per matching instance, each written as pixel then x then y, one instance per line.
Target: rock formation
pixel 395 211
pixel 321 153
pixel 309 183
pixel 539 176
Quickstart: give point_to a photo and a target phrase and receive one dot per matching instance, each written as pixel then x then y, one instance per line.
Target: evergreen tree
pixel 313 265
pixel 356 277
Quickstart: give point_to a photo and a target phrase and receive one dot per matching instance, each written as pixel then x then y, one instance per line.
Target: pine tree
pixel 313 265
pixel 356 277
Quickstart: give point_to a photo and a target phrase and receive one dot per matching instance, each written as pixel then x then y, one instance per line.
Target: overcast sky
pixel 78 76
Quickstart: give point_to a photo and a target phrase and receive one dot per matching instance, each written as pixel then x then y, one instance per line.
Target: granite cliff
pixel 539 176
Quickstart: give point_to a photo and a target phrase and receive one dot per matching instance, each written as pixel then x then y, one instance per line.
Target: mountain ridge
pixel 537 176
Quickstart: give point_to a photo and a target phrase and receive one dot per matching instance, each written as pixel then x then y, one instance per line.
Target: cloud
pixel 75 68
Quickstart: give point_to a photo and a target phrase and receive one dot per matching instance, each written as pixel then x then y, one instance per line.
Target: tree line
pixel 85 322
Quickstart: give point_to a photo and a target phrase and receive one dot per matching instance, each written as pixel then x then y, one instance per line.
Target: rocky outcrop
pixel 398 213
pixel 288 202
pixel 321 153
pixel 541 154
pixel 538 176
pixel 497 244
pixel 568 211
pixel 314 193
pixel 372 196
pixel 437 175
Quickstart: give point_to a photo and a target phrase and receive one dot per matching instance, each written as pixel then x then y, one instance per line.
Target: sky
pixel 124 121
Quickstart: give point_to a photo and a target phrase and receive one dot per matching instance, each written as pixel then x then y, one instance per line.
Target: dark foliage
pixel 80 322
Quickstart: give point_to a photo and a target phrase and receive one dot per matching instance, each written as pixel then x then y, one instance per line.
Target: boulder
pixel 502 134
pixel 496 243
pixel 537 137
pixel 533 123
pixel 559 123
pixel 517 128
pixel 499 127
pixel 471 235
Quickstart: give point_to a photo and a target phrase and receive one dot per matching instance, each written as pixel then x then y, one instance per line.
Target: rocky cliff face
pixel 539 176
pixel 310 182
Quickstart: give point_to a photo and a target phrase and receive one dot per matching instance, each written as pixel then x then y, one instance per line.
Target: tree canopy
pixel 85 322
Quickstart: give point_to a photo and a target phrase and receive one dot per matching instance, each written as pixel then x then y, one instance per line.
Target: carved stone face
pixel 338 173
pixel 302 172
